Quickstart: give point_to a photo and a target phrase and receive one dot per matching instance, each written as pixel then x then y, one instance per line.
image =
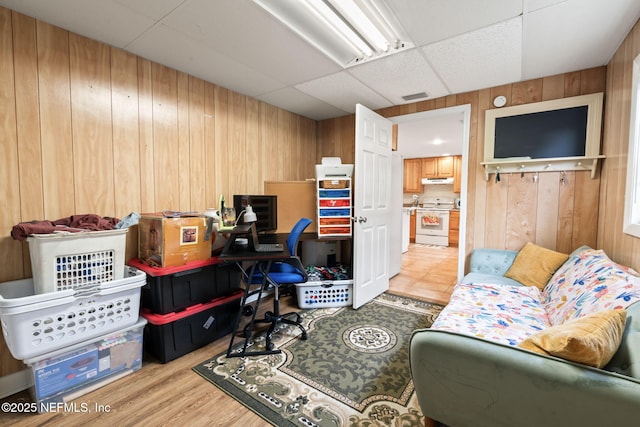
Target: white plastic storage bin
pixel 34 324
pixel 66 260
pixel 323 294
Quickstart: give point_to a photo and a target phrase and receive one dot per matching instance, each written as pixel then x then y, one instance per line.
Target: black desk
pixel 242 255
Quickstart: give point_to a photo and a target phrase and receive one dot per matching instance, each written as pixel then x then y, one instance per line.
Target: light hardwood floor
pixel 172 394
pixel 427 273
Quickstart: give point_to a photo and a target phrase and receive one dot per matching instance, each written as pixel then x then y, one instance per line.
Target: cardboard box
pixel 167 242
pixel 296 199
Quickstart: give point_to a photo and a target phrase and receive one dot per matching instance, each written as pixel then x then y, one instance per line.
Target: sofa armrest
pixel 465 381
pixel 491 261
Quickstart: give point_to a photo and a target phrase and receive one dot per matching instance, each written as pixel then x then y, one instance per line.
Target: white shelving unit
pixel 334 199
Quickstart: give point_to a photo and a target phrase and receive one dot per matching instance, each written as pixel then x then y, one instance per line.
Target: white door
pixel 372 206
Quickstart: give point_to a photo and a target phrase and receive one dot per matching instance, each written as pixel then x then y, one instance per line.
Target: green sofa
pixel 462 380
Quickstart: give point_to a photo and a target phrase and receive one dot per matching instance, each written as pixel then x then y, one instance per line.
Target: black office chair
pixel 286 271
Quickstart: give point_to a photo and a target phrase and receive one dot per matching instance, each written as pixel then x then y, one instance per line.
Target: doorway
pixel 452 126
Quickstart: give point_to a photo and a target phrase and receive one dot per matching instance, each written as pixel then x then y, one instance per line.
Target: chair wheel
pixel 247 310
pixel 270 346
pixel 304 336
pixel 247 332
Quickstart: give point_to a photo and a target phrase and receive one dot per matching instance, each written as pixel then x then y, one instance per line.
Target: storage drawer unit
pixel 169 336
pixel 334 200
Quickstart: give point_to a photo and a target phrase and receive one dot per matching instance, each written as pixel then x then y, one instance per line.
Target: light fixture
pixel 348 31
pixel 249 215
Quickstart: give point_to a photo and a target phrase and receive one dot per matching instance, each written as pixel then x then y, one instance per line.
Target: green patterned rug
pixel 352 371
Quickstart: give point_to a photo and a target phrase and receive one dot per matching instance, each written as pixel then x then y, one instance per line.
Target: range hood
pixel 431 181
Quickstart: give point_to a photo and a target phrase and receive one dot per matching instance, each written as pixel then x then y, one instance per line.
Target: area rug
pixel 353 370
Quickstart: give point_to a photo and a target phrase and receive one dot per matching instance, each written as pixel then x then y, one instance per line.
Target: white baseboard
pixel 15 383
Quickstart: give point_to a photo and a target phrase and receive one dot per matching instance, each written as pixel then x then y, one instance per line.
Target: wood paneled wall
pixel 517 209
pixel 87 128
pixel 618 245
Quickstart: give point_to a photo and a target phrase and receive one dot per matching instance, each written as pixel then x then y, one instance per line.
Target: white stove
pixel 439 203
pixel 432 221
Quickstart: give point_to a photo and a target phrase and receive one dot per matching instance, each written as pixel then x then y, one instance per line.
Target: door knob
pixel 362 219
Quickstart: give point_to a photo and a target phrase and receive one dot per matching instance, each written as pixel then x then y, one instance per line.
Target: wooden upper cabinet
pixel 412 176
pixel 457 174
pixel 445 167
pixel 437 167
pixel 430 167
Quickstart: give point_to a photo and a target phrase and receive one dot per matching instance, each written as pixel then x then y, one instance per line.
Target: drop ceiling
pixel 461 45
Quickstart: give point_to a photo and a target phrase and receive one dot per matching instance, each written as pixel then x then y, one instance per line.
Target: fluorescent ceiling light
pixel 348 31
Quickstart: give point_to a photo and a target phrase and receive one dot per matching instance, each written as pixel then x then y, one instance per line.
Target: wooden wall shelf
pixel 542 165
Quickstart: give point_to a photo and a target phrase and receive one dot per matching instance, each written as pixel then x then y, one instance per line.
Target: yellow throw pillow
pixel 591 340
pixel 534 265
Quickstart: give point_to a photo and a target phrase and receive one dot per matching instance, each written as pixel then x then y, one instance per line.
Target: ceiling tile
pixel 165 46
pixel 428 21
pixel 532 5
pixel 343 91
pixel 480 59
pixel 401 74
pixel 153 9
pixel 564 38
pixel 292 99
pixel 113 24
pixel 249 35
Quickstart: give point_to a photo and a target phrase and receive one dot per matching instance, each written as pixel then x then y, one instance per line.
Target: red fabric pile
pixel 74 223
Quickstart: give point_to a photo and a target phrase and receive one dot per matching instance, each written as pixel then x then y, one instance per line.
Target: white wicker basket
pixel 61 261
pixel 34 324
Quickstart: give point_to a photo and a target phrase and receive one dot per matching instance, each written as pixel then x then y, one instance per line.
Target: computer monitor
pixel 265 207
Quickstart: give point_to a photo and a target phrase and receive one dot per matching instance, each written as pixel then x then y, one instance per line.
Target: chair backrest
pixel 294 235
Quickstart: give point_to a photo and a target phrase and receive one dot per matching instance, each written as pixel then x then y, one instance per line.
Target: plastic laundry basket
pixel 61 261
pixel 34 324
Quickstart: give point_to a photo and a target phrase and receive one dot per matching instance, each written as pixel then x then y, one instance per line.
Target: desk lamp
pixel 249 215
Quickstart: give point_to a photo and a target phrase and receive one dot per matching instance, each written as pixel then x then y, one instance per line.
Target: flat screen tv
pixel 557 129
pixel 265 207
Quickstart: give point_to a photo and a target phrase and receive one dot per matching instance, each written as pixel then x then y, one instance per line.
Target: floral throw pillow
pixel 587 283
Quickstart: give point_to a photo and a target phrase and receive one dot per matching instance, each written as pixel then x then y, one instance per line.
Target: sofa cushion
pixel 587 283
pixel 501 313
pixel 491 261
pixel 534 265
pixel 591 340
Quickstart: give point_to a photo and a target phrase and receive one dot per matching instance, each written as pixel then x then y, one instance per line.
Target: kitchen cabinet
pixel 437 167
pixel 412 176
pixel 412 226
pixel 454 227
pixel 457 174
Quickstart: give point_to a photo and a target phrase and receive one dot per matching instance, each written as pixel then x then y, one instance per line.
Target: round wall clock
pixel 500 101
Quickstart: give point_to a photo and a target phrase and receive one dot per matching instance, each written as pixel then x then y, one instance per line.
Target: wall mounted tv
pixel 265 207
pixel 561 134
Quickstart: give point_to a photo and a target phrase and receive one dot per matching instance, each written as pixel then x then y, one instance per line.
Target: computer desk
pixel 248 261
